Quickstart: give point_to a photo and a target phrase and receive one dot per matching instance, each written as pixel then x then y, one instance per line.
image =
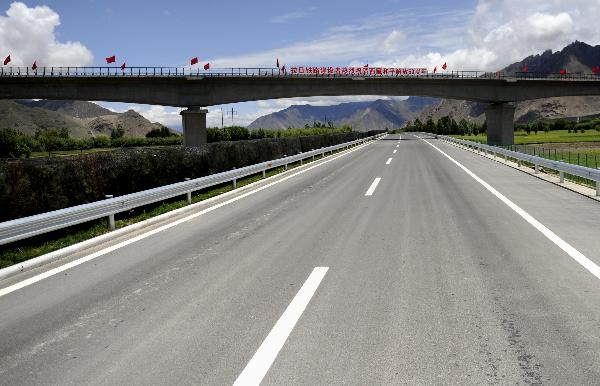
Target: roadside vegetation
pixel 59 142
pixel 528 133
pixel 544 137
pixel 36 246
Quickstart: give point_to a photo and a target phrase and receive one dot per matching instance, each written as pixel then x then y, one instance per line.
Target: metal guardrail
pixel 559 166
pixel 26 227
pixel 115 71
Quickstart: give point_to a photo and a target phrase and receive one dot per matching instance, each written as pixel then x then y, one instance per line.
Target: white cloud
pixel 167 116
pixel 290 16
pixel 393 40
pixel 29 34
pixel 544 26
pixel 493 35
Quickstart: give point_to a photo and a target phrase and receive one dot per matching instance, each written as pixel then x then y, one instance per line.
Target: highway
pixel 389 264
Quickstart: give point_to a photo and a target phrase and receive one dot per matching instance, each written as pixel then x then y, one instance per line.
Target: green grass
pixel 40 245
pixel 558 136
pixel 587 157
pixel 534 144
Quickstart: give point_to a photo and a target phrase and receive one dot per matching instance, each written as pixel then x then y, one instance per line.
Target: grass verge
pixel 557 136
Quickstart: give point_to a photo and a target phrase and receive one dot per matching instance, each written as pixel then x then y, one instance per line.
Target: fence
pixel 26 227
pixel 560 166
pixel 116 71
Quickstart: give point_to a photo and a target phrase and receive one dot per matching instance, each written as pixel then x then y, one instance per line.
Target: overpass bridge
pixel 195 89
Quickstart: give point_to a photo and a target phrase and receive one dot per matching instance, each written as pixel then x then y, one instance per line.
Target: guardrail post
pixel 597 188
pixel 111 217
pixel 286 165
pixel 537 169
pixel 264 173
pixel 519 163
pixel 234 181
pixel 188 194
pixel 562 176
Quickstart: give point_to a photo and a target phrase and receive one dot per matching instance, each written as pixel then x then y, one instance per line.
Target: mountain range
pixel 381 114
pixel 83 119
pixel 362 116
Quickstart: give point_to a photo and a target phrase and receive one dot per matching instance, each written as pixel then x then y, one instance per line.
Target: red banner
pixel 357 71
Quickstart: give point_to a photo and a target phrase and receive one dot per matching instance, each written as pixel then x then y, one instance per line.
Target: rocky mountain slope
pixel 362 116
pixel 577 57
pixel 83 119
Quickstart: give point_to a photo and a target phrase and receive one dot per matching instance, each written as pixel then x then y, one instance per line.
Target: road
pixel 429 279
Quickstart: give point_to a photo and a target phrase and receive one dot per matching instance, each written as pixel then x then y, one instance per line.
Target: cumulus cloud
pixel 28 34
pixel 392 42
pixel 545 26
pixel 488 37
pixel 167 116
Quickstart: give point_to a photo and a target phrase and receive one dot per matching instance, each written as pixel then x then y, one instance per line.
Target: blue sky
pixel 469 35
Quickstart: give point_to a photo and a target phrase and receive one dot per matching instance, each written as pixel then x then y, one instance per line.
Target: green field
pixel 558 136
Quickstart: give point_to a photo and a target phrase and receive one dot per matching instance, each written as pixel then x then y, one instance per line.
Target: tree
pixel 119 132
pixel 430 126
pixel 418 125
pixel 162 132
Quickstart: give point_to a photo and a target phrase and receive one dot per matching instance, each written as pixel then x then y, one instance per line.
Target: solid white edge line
pixel 395 151
pixel 579 257
pixel 74 263
pixel 373 186
pixel 389 161
pixel 264 357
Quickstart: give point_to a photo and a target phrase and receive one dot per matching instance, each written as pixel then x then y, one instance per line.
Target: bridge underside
pixel 207 91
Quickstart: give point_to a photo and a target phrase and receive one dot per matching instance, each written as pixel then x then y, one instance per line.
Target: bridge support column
pixel 194 126
pixel 500 123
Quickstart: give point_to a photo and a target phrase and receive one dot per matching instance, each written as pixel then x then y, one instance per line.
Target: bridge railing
pixel 269 72
pixel 561 167
pixel 26 227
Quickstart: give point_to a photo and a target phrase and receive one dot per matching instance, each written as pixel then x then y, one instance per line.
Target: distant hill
pixel 83 119
pixel 362 116
pixel 576 57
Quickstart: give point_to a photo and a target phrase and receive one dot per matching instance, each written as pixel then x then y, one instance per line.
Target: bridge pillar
pixel 500 123
pixel 194 126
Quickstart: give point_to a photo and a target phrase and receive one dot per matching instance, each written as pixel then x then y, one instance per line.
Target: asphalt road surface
pixel 390 264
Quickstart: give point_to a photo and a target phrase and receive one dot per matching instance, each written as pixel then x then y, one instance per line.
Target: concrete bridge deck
pixel 194 89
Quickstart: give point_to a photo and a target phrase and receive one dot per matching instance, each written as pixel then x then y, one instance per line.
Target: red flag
pixel 7 60
pixel 123 66
pixel 34 66
pixel 277 63
pixel 194 61
pixel 525 68
pixel 444 67
pixel 111 59
pixel 434 69
pixel 595 69
pixel 563 71
pixel 207 66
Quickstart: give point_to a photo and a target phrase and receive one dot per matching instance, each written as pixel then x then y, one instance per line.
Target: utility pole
pixel 233 114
